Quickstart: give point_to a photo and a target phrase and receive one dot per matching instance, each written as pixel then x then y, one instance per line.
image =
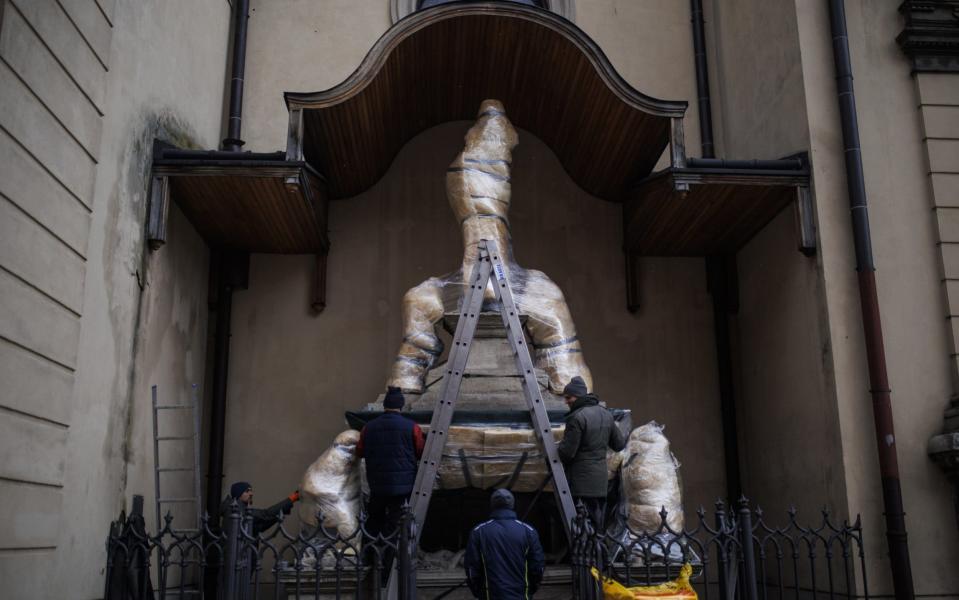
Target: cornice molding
pixel 931 36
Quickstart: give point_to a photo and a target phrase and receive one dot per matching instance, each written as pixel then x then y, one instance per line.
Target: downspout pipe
pixel 869 300
pixel 221 371
pixel 241 16
pixel 223 278
pixel 720 270
pixel 702 79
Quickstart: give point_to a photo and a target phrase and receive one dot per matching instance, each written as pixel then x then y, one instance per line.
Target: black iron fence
pixel 233 561
pixel 732 554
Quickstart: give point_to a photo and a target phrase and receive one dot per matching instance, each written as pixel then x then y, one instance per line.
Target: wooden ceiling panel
pixel 278 208
pixel 439 64
pixel 690 212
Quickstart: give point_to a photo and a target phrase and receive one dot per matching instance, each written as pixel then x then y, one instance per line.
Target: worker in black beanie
pixel 504 558
pixel 392 445
pixel 589 431
pixel 241 492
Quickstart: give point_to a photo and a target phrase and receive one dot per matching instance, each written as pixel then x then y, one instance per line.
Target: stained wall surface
pixel 292 375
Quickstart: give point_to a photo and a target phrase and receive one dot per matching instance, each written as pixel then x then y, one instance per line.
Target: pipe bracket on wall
pixel 318 286
pixel 159 211
pixel 805 221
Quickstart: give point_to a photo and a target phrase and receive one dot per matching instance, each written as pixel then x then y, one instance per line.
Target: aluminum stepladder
pixel 490 266
pixel 194 407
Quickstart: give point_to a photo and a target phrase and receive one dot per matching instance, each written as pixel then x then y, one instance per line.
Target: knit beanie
pixel 575 388
pixel 237 489
pixel 394 398
pixel 501 499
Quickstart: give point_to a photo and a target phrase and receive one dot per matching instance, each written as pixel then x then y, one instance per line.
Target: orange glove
pixel 295 496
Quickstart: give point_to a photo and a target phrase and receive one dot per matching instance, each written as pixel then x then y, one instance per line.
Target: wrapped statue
pixel 478 188
pixel 331 486
pixel 650 480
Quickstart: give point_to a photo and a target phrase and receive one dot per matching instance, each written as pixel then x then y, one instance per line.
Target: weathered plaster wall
pixel 650 44
pixel 301 46
pixel 913 311
pixel 292 375
pixel 143 316
pixel 785 401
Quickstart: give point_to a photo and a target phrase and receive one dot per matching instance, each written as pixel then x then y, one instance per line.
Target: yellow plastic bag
pixel 677 589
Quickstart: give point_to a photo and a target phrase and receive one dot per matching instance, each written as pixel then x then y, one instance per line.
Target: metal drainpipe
pixel 702 79
pixel 718 274
pixel 869 299
pixel 224 302
pixel 221 370
pixel 241 14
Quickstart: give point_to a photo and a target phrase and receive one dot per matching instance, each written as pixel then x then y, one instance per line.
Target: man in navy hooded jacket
pixel 504 559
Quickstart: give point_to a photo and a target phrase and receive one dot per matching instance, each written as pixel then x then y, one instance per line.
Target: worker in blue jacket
pixel 504 559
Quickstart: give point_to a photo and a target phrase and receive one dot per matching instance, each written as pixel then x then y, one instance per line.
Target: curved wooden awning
pixel 439 64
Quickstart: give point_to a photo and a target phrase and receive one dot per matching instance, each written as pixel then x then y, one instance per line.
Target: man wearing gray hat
pixel 504 559
pixel 589 431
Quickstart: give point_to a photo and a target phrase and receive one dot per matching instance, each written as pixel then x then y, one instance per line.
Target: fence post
pixel 723 558
pixel 228 570
pixel 745 524
pixel 404 552
pixel 581 555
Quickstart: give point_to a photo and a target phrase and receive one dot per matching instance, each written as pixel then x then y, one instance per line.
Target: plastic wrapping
pixel 493 457
pixel 331 486
pixel 650 480
pixel 479 191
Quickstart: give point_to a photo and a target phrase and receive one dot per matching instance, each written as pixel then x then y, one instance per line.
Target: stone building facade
pixel 90 317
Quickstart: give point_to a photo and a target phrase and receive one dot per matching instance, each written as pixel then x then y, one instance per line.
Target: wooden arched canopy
pixel 438 65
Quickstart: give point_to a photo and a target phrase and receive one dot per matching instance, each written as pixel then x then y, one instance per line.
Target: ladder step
pixel 174 437
pixel 167 469
pixel 173 406
pixel 176 500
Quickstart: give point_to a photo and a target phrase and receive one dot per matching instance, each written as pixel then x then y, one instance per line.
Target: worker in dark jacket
pixel 504 559
pixel 590 429
pixel 392 445
pixel 241 493
pixel 263 518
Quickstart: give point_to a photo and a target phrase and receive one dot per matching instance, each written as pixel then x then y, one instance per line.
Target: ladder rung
pixel 176 500
pixel 170 406
pixel 174 437
pixel 166 469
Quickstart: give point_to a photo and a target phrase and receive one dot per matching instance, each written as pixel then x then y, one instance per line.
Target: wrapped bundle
pixel 650 480
pixel 331 486
pixel 485 457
